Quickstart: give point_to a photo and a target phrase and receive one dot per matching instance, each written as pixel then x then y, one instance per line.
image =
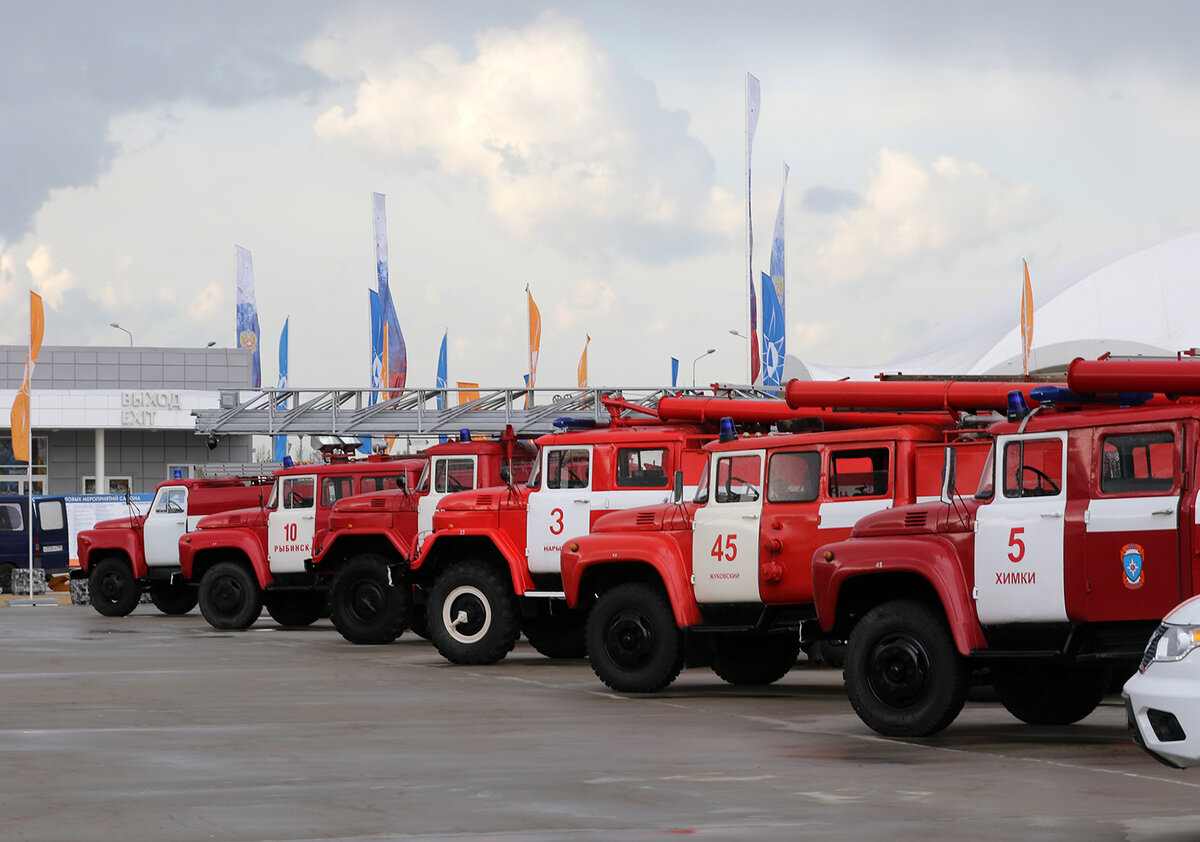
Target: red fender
pixel 928 557
pixel 242 541
pixel 99 541
pixel 443 541
pixel 404 545
pixel 654 549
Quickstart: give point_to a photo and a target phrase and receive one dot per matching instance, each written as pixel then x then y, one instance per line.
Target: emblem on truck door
pixel 1133 565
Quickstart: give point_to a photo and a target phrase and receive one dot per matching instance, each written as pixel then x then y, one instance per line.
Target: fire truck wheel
pixel 903 675
pixel 174 599
pixel 229 596
pixel 296 610
pixel 114 591
pixel 365 607
pixel 1044 694
pixel 754 659
pixel 633 642
pixel 557 633
pixel 473 615
pixel 6 571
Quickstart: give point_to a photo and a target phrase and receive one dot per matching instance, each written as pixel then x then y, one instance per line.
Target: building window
pixel 14 473
pixel 116 485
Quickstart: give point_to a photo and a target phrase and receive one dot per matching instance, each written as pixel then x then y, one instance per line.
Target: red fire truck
pixel 371 537
pixel 123 557
pixel 1081 536
pixel 490 570
pixel 725 580
pixel 248 558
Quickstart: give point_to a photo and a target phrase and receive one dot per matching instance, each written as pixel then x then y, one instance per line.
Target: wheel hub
pixel 367 600
pixel 629 639
pixel 227 595
pixel 898 671
pixel 467 614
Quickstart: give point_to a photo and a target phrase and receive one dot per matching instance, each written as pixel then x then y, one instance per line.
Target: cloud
pixel 207 301
pixel 822 199
pixel 80 65
pixel 571 146
pixel 50 282
pixel 589 300
pixel 912 211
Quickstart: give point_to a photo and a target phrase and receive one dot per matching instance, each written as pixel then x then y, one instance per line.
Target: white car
pixel 1162 699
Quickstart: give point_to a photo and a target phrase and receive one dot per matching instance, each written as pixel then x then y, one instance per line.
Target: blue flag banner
pixel 777 265
pixel 281 441
pixel 395 358
pixel 772 355
pixel 247 314
pixel 674 372
pixel 376 313
pixel 441 381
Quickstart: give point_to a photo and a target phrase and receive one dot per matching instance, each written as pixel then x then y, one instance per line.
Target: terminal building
pixel 109 420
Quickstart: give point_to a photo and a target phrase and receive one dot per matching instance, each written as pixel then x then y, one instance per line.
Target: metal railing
pixel 414 412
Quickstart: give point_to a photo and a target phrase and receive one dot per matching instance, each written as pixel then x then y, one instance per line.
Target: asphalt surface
pixel 157 727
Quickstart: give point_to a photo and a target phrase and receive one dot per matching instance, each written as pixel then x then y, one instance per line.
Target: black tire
pixel 114 591
pixel 6 571
pixel 230 597
pixel 418 620
pixel 903 675
pixel 741 658
pixel 296 609
pixel 365 607
pixel 633 642
pixel 1051 694
pixel 174 599
pixel 557 632
pixel 473 615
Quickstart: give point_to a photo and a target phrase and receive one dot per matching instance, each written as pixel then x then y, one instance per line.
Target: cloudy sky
pixel 593 151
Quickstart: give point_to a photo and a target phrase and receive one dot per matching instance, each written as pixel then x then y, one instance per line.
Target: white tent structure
pixel 1147 303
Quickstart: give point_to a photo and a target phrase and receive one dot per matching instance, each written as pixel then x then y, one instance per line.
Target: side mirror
pixel 505 474
pixel 402 481
pixel 677 488
pixel 949 474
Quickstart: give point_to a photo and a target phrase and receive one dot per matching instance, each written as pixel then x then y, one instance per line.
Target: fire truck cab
pixel 1080 537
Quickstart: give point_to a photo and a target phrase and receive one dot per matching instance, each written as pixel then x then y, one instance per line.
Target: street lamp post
pixel 702 356
pixel 118 327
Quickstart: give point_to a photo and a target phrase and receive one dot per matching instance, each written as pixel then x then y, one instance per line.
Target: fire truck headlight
pixel 1176 642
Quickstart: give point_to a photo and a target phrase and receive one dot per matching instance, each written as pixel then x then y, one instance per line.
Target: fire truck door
pixel 1132 526
pixel 291 526
pixel 165 525
pixel 447 474
pixel 561 508
pixel 1019 535
pixel 725 531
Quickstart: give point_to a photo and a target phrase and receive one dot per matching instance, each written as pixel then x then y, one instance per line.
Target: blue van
pixel 51 550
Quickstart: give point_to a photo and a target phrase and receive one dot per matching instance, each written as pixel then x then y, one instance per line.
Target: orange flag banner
pixel 535 337
pixel 582 370
pixel 20 407
pixel 1026 321
pixel 467 392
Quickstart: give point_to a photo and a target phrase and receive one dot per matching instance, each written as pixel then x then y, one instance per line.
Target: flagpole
pixel 749 246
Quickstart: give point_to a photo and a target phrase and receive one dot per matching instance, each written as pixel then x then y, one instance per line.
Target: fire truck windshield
pixel 702 486
pixel 986 488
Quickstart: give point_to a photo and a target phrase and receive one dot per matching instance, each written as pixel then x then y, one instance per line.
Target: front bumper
pixel 1163 711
